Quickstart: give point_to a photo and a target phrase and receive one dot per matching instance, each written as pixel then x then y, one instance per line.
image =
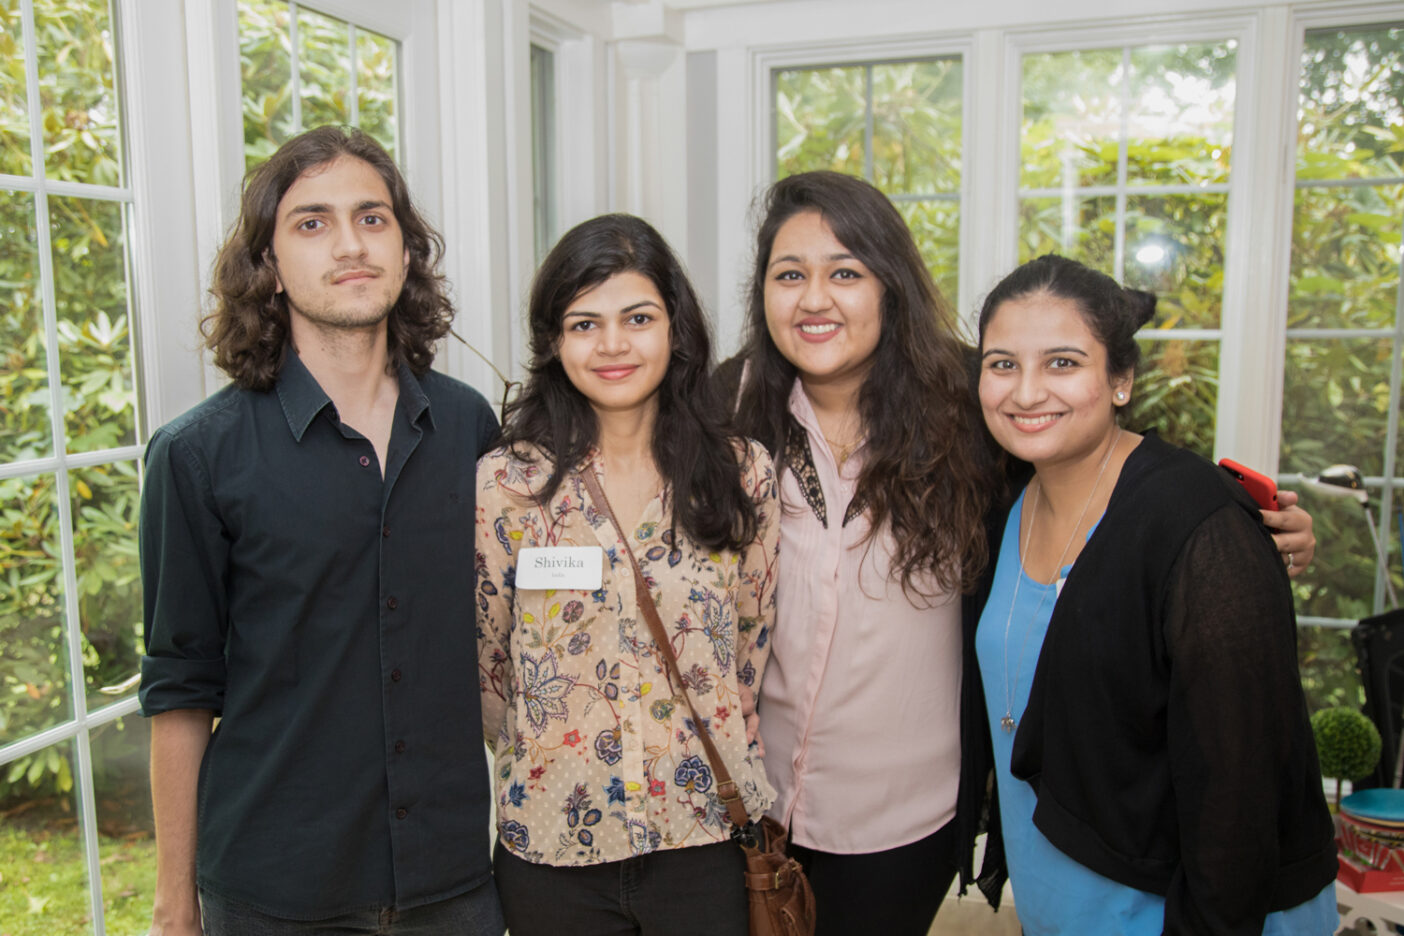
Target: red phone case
pixel 1260 486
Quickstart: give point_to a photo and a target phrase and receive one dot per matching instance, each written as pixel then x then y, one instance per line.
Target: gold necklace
pixel 1007 722
pixel 841 450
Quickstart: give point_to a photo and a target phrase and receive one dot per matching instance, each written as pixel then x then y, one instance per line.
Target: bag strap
pixel 726 787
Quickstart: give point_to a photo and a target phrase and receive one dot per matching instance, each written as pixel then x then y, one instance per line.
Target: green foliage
pixel 79 136
pixel 912 153
pixel 1345 274
pixel 325 77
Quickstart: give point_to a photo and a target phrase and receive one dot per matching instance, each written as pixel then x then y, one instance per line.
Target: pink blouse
pixel 860 705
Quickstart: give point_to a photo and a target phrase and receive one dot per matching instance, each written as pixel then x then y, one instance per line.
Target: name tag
pixel 569 567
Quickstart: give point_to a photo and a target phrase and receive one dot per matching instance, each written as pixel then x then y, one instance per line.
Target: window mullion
pixel 73 632
pixel 1396 375
pixel 295 67
pixel 1122 157
pixel 353 101
pixel 868 123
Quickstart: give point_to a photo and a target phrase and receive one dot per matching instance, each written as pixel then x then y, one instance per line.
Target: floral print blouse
pixel 597 757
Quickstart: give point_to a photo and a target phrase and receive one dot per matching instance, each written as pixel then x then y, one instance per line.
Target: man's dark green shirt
pixel 326 614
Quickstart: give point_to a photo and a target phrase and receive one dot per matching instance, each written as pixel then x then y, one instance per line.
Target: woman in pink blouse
pixel 856 380
pixel 607 809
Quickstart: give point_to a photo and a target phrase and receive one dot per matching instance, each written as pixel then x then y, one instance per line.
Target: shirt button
pixel 365 461
pixel 394 675
pixel 401 813
pixel 391 603
pixel 385 532
pixel 399 747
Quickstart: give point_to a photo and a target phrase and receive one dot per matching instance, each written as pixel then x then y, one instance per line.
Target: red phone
pixel 1260 486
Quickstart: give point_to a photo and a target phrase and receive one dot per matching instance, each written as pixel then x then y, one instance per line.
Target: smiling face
pixel 339 253
pixel 1044 386
pixel 614 343
pixel 823 306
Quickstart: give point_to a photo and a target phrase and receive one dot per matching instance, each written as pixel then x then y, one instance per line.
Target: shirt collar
pixel 303 398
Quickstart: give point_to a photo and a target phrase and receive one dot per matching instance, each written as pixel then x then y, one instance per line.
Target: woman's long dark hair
pixel 693 449
pixel 928 472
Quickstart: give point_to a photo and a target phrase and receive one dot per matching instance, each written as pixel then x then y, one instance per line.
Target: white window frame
pixel 1293 44
pixel 746 147
pixel 1237 400
pixel 159 193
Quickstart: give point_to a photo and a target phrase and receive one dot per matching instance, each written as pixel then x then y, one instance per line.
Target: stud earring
pixel 1120 396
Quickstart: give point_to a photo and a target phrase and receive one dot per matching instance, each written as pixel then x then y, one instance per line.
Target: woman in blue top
pixel 1156 772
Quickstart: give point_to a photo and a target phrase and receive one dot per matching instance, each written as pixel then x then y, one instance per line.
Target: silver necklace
pixel 1007 722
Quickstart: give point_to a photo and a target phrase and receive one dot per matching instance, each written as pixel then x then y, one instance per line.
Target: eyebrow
pixel 370 204
pixel 795 258
pixel 1065 349
pixel 587 313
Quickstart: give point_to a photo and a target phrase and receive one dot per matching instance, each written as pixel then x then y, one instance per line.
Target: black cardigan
pixel 1166 733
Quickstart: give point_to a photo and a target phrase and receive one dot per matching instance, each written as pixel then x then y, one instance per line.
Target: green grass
pixel 44 885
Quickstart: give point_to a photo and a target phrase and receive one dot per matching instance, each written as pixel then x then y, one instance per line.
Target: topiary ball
pixel 1347 743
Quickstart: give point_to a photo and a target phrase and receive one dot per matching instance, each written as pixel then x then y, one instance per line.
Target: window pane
pixel 24 380
pixel 1352 104
pixel 1083 229
pixel 77 91
pixel 1176 392
pixel 935 226
pixel 105 502
pixel 95 346
pixel 1175 249
pixel 126 835
pixel 820 117
pixel 1072 118
pixel 375 87
pixel 1180 128
pixel 41 844
pixel 14 107
pixel 1345 256
pixel 324 67
pixel 1341 579
pixel 34 681
pixel 265 61
pixel 1327 661
pixel 916 127
pixel 1335 406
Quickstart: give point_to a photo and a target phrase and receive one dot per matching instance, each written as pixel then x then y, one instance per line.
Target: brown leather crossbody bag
pixel 781 901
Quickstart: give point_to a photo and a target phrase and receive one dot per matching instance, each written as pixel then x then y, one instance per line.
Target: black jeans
pixel 696 891
pixel 894 892
pixel 476 913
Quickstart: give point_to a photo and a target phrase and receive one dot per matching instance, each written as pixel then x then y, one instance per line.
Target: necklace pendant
pixel 1007 723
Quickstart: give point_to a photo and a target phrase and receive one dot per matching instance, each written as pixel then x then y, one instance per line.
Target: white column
pixel 650 134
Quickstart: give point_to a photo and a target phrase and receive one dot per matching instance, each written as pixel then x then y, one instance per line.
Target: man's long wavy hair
pixel 693 447
pixel 248 331
pixel 928 472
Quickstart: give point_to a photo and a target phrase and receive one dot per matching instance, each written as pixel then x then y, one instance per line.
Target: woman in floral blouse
pixel 608 814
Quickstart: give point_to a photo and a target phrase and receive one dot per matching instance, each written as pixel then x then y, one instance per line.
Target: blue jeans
pixel 476 913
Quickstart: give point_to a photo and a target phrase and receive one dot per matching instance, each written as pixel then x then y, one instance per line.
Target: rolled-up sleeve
pixel 184 559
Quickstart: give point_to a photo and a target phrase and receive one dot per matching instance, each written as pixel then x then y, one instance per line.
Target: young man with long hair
pixel 307 546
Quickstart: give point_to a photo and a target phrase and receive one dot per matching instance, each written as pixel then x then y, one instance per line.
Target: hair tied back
pixel 1141 306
